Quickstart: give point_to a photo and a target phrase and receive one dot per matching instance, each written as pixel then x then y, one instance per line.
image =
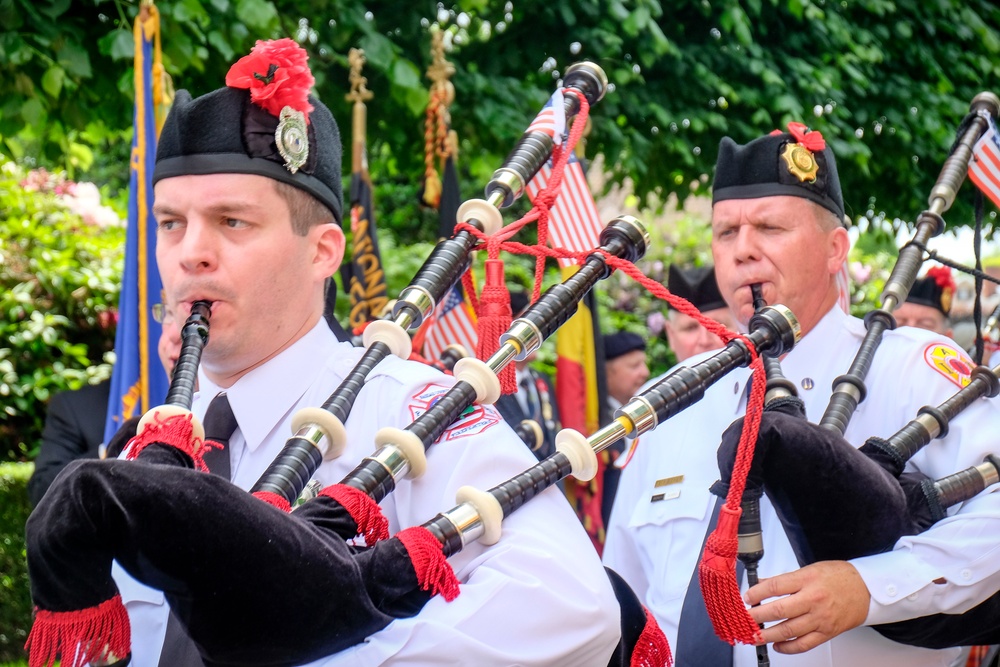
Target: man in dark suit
pixel 74 429
pixel 535 399
pixel 74 422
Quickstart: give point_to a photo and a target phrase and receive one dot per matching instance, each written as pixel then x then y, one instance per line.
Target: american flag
pixel 984 169
pixel 552 118
pixel 573 221
pixel 454 323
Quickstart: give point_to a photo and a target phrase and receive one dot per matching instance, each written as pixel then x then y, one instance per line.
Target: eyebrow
pixel 232 206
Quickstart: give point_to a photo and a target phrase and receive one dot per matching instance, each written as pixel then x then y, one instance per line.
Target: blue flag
pixel 139 381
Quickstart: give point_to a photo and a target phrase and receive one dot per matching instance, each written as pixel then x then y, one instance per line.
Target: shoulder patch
pixel 949 362
pixel 476 418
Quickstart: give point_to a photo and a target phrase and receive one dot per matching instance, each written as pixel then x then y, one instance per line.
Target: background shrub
pixel 15 596
pixel 60 265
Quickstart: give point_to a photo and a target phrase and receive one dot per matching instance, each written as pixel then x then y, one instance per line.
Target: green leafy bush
pixel 15 595
pixel 60 266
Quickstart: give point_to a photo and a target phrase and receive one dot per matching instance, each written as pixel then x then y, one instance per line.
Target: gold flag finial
pixel 359 84
pixel 440 70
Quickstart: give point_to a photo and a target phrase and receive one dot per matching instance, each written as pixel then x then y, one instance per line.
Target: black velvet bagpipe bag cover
pixel 253 586
pixel 836 503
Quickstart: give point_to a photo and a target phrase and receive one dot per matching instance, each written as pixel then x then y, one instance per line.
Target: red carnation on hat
pixel 942 277
pixel 277 75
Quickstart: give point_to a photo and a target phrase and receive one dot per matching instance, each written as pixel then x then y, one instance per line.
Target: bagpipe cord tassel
pixel 434 574
pixel 494 320
pixel 652 648
pixel 717 569
pixel 366 513
pixel 80 637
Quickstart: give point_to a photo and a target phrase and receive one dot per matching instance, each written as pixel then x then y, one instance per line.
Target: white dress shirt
pixel 656 545
pixel 537 597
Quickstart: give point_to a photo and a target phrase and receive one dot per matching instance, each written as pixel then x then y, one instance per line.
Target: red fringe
pixel 365 511
pixel 494 320
pixel 433 571
pixel 652 648
pixel 79 637
pixel 717 574
pixel 274 500
pixel 175 431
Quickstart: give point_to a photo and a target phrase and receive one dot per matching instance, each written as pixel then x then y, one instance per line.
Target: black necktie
pixel 697 643
pixel 220 424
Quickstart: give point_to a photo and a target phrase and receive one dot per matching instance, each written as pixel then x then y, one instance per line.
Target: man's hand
pixel 821 601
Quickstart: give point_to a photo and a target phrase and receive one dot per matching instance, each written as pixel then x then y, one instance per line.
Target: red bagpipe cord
pixel 363 509
pixel 434 574
pixel 79 637
pixel 493 306
pixel 494 316
pixel 274 500
pixel 717 570
pixel 652 648
pixel 175 431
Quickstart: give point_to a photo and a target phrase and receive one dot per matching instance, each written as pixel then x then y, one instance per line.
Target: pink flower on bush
pixel 859 272
pixel 655 321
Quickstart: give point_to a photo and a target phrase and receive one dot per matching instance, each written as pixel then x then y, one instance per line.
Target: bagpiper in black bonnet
pixel 251 583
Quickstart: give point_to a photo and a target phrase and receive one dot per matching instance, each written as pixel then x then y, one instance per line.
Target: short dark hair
pixel 304 210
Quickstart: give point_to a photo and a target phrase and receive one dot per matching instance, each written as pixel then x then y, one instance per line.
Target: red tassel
pixel 716 573
pixel 652 648
pixel 433 571
pixel 79 637
pixel 274 500
pixel 365 511
pixel 494 320
pixel 176 431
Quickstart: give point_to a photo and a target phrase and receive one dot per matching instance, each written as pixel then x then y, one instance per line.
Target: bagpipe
pixel 200 539
pixel 836 501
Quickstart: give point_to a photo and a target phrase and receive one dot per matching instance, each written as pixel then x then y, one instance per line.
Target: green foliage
pixel 15 594
pixel 59 284
pixel 887 82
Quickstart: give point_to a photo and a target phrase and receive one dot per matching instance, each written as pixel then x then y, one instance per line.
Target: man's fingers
pixel 783 584
pixel 801 644
pixel 779 610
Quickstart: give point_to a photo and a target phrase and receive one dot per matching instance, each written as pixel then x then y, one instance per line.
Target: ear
pixel 839 245
pixel 329 248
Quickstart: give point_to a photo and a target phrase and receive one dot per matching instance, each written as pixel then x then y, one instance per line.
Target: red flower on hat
pixel 811 139
pixel 277 75
pixel 942 277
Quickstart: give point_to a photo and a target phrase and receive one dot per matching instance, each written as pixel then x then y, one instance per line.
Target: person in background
pixel 626 371
pixel 74 421
pixel 685 336
pixel 928 304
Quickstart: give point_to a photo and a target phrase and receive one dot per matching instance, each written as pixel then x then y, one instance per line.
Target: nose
pixel 747 248
pixel 197 250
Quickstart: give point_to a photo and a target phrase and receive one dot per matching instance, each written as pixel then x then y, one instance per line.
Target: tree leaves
pixel 733 67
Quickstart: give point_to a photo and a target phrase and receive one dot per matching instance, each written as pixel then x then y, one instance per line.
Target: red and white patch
pixel 949 362
pixel 476 418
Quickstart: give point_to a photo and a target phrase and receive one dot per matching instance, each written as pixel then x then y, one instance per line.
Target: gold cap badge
pixel 801 162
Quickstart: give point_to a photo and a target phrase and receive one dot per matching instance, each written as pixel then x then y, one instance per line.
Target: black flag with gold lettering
pixel 363 277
